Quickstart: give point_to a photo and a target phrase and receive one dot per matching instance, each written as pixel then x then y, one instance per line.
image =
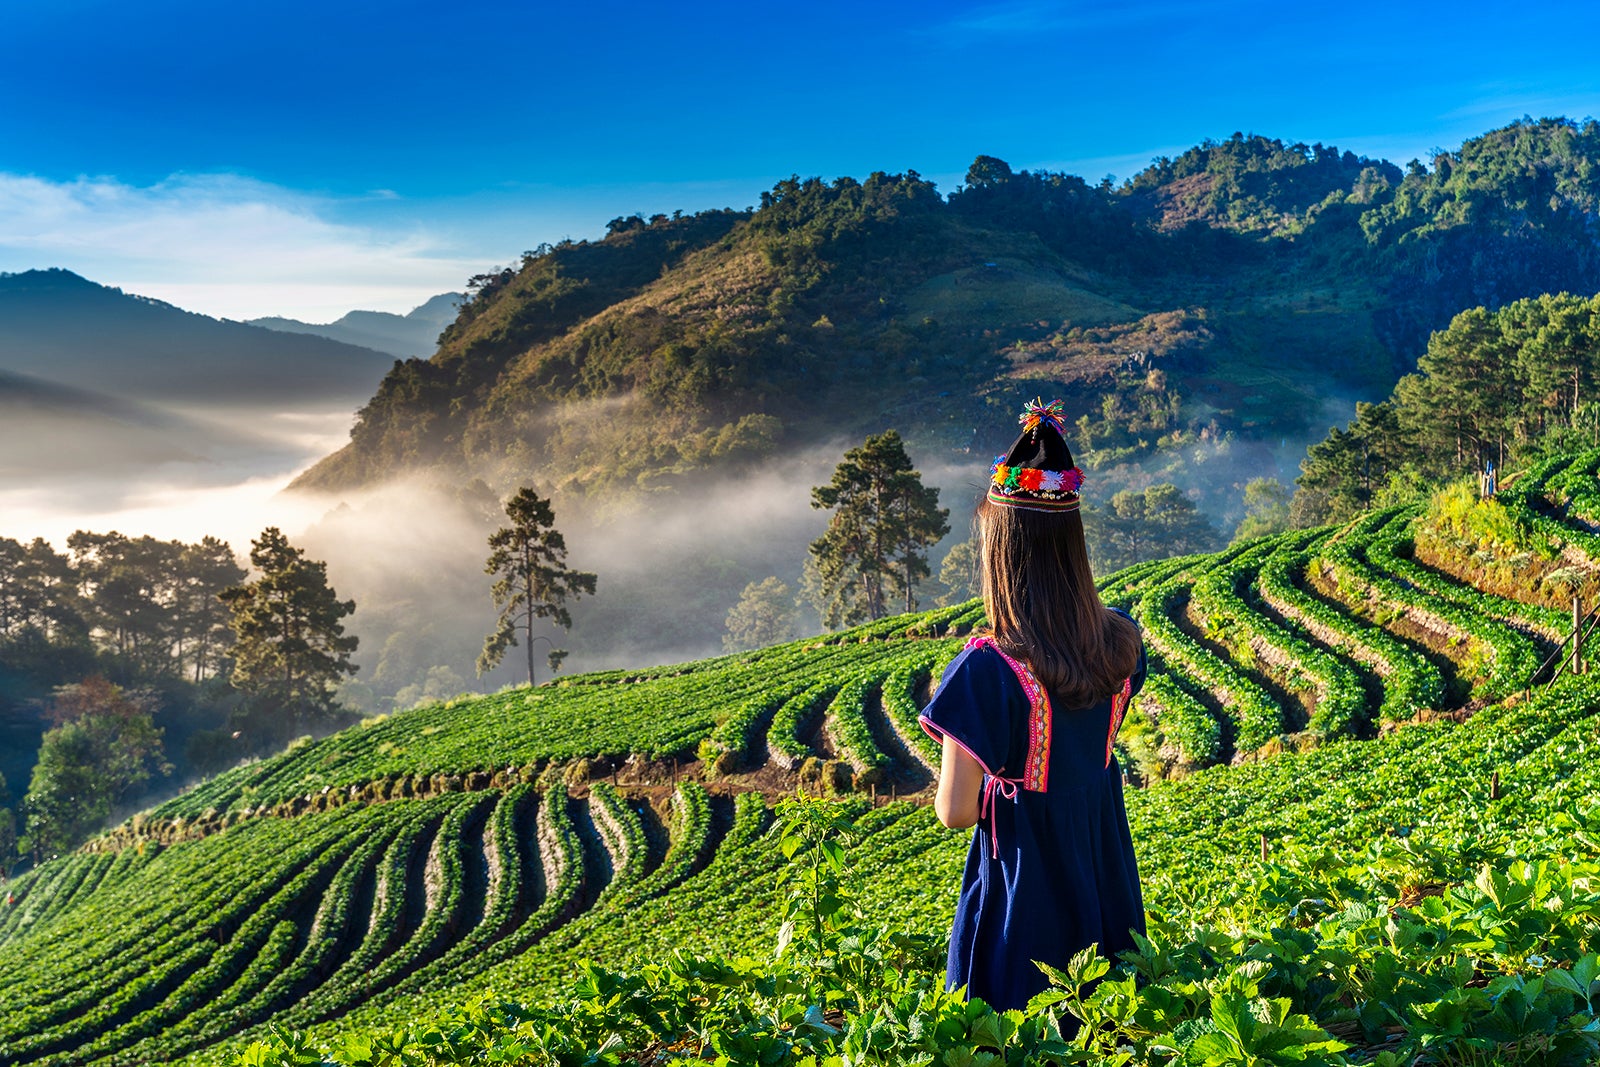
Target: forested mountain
pixel 59 327
pixel 415 333
pixel 1247 291
pixel 1494 389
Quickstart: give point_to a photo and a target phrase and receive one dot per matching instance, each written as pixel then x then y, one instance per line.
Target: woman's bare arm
pixel 960 782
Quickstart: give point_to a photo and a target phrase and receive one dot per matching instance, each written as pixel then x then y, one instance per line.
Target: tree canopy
pixel 290 647
pixel 1493 386
pixel 532 581
pixel 884 521
pixel 104 749
pixel 763 616
pixel 1141 524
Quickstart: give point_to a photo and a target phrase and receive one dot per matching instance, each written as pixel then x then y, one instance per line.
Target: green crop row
pixel 504 891
pixel 230 970
pixel 1389 551
pixel 133 958
pixel 1529 510
pixel 623 835
pixel 900 690
pixel 1410 681
pixel 413 827
pixel 797 716
pixel 37 893
pixel 1512 656
pixel 1118 591
pixel 563 874
pixel 740 732
pixel 1256 717
pixel 846 720
pixel 691 841
pixel 1186 723
pixel 1553 471
pixel 1341 705
pixel 1579 485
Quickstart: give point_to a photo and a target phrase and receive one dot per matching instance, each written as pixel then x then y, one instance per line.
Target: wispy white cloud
pixel 224 245
pixel 1508 102
pixel 1043 16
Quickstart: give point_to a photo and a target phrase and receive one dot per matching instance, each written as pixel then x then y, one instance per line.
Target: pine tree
pixel 763 616
pixel 884 520
pixel 290 648
pixel 959 573
pixel 534 582
pixel 204 635
pixel 1146 524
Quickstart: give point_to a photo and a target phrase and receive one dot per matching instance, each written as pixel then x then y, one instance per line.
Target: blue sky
pixel 294 158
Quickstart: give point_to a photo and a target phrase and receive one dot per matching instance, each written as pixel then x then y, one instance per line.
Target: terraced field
pixel 365 879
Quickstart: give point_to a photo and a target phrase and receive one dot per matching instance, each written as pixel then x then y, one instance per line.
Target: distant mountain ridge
pixel 415 333
pixel 1247 291
pixel 50 432
pixel 63 328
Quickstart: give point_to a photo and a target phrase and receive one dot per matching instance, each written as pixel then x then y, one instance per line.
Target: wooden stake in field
pixel 1577 636
pixel 1494 786
pixel 1263 848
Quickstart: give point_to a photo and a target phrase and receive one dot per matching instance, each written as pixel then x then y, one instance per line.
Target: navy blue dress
pixel 1056 873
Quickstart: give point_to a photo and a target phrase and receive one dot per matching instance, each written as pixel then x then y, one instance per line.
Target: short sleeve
pixel 1143 667
pixel 975 706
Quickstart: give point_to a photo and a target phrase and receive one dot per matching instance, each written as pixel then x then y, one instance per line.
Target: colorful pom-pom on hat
pixel 1037 473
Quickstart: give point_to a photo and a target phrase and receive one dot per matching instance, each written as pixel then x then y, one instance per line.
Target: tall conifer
pixel 884 520
pixel 290 646
pixel 533 581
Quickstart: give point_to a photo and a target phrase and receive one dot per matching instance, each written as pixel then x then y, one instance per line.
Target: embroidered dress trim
pixel 1119 708
pixel 1036 768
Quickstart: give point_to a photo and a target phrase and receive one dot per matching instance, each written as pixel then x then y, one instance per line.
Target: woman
pixel 1026 716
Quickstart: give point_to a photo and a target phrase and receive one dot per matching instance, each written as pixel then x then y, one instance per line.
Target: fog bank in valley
pixel 671 563
pixel 670 566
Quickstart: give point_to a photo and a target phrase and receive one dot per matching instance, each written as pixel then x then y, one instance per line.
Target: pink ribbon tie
pixel 1006 787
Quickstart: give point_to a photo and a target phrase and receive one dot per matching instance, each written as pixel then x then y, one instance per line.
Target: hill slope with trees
pixel 1211 305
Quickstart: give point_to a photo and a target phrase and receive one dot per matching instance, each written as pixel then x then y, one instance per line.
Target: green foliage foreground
pixel 1414 904
pixel 1466 949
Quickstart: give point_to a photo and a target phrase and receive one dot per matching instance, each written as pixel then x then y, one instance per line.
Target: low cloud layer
pixel 224 245
pixel 171 475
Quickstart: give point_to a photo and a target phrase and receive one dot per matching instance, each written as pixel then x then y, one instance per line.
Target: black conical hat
pixel 1037 472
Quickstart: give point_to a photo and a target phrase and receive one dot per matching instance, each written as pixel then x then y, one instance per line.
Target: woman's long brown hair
pixel 1040 596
